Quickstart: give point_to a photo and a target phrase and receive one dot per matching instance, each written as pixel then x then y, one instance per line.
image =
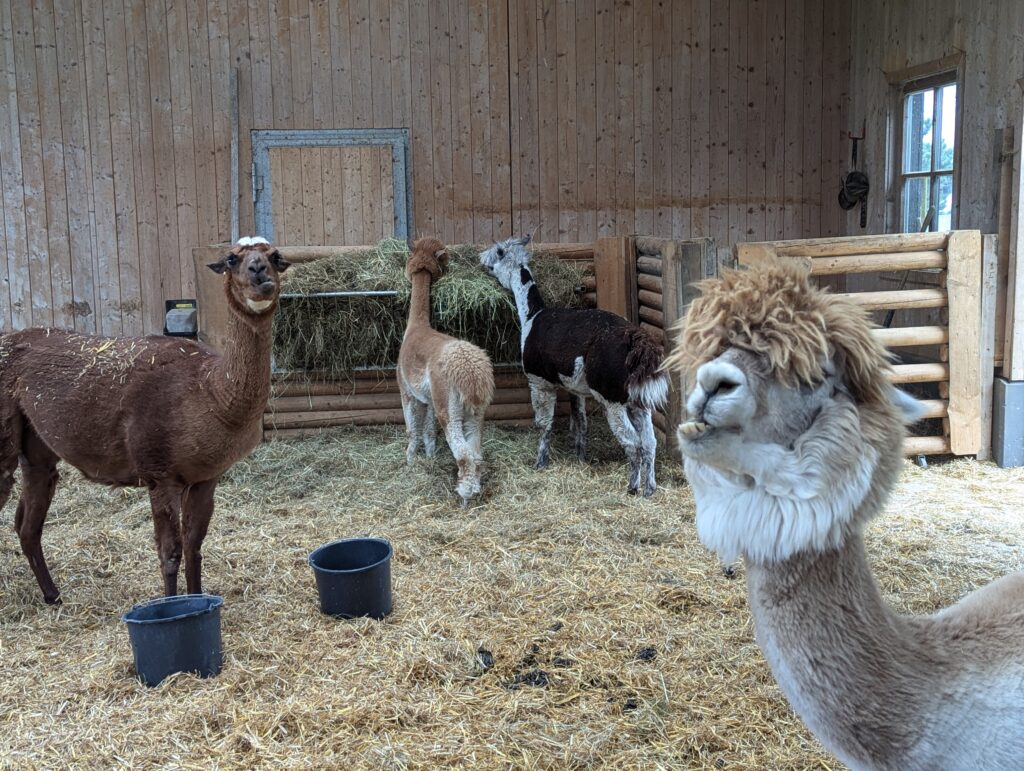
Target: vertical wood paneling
pixel 567 119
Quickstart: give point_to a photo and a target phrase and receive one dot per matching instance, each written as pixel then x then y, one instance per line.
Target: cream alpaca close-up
pixel 792 443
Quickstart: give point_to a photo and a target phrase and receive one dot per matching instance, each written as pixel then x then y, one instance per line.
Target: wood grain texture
pixel 569 119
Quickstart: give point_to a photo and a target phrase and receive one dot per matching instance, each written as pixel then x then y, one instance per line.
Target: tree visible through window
pixel 929 128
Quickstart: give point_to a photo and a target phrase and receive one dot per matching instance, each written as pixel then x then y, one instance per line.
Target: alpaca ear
pixel 221 265
pixel 910 409
pixel 525 239
pixel 279 262
pixel 441 253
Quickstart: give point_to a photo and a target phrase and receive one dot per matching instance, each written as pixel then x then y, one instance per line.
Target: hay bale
pixel 335 336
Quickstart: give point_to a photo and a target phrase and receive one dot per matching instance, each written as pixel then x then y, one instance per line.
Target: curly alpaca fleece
pixel 798 327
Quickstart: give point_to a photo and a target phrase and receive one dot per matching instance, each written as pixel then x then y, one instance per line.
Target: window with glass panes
pixel 926 157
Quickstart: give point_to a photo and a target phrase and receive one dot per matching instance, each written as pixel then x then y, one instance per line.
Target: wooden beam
pixel 650 299
pixel 1003 236
pixel 877 263
pixel 987 364
pixel 905 298
pixel 649 265
pixel 615 269
pixel 920 373
pixel 836 247
pixel 963 283
pixel 926 445
pixel 903 336
pixel 1013 343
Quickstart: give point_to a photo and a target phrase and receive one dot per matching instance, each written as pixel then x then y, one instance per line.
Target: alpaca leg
pixel 578 424
pixel 38 481
pixel 643 422
pixel 430 431
pixel 196 509
pixel 459 420
pixel 543 396
pixel 413 411
pixel 622 428
pixel 165 500
pixel 10 450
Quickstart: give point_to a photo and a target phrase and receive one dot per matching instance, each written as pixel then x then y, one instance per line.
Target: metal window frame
pixel 401 167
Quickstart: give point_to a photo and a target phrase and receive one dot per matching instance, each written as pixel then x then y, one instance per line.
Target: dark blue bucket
pixel 175 634
pixel 353 577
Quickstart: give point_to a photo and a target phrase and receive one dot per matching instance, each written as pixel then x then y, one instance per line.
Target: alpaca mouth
pixel 266 288
pixel 258 305
pixel 693 428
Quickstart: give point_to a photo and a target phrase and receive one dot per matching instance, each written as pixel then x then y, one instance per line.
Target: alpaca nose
pixel 718 378
pixel 258 271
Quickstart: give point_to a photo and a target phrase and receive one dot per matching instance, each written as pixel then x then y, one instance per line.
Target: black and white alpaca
pixel 588 352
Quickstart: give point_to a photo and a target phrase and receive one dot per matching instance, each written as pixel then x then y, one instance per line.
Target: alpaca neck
pixel 241 378
pixel 419 302
pixel 837 650
pixel 528 300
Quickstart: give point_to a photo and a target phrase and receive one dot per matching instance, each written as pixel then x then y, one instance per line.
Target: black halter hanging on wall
pixel 854 187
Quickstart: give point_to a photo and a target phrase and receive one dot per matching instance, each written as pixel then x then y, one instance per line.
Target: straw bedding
pixel 559 624
pixel 337 335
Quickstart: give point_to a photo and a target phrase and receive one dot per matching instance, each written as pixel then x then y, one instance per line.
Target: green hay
pixel 336 336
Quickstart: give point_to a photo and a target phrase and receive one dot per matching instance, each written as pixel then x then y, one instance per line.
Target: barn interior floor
pixel 558 624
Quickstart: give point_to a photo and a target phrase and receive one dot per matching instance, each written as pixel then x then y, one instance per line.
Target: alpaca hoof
pixel 632 490
pixel 729 571
pixel 53 599
pixel 649 490
pixel 542 463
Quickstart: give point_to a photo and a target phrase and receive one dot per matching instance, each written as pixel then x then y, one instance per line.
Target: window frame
pixel 928 76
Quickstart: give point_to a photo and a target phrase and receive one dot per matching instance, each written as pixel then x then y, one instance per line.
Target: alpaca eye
pixel 232 261
pixel 501 252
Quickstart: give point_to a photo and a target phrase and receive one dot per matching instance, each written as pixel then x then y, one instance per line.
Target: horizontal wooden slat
pixel 920 373
pixel 367 417
pixel 905 298
pixel 648 282
pixel 650 299
pixel 934 408
pixel 305 433
pixel 657 332
pixel 299 254
pixel 875 263
pixel 834 247
pixel 649 265
pixel 900 336
pixel 926 445
pixel 387 400
pixel 652 316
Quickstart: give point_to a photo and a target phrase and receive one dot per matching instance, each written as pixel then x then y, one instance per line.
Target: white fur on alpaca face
pixel 774 470
pixel 505 259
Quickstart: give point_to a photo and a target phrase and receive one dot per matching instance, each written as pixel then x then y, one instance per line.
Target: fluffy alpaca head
pixel 794 435
pixel 506 259
pixel 427 254
pixel 252 275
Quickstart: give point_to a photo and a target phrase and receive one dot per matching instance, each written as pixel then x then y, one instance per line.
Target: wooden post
pixel 213 309
pixel 989 293
pixel 1013 346
pixel 963 285
pixel 1003 244
pixel 615 270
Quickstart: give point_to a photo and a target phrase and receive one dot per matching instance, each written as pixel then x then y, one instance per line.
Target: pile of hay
pixel 336 336
pixel 559 624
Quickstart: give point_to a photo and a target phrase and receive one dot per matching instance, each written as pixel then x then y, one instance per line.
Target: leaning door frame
pixel 401 168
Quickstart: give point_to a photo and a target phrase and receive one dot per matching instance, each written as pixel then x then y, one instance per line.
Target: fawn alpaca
pixel 793 443
pixel 163 413
pixel 442 379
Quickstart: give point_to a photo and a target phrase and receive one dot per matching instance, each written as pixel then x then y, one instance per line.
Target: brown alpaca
pixel 168 414
pixel 442 378
pixel 793 444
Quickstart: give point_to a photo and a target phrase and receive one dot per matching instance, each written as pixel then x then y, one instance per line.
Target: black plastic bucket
pixel 175 634
pixel 353 577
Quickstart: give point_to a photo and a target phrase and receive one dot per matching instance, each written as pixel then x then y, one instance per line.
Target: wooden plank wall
pixel 571 119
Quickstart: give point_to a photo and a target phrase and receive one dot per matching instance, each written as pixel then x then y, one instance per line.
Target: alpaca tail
pixel 645 383
pixel 468 369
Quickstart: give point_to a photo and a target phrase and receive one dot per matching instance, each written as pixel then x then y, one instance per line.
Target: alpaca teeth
pixel 692 427
pixel 258 305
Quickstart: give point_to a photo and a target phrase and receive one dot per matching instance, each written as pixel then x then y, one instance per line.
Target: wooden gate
pixel 959 353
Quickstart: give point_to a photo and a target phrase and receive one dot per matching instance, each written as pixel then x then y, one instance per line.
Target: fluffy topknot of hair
pixel 775 311
pixel 428 254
